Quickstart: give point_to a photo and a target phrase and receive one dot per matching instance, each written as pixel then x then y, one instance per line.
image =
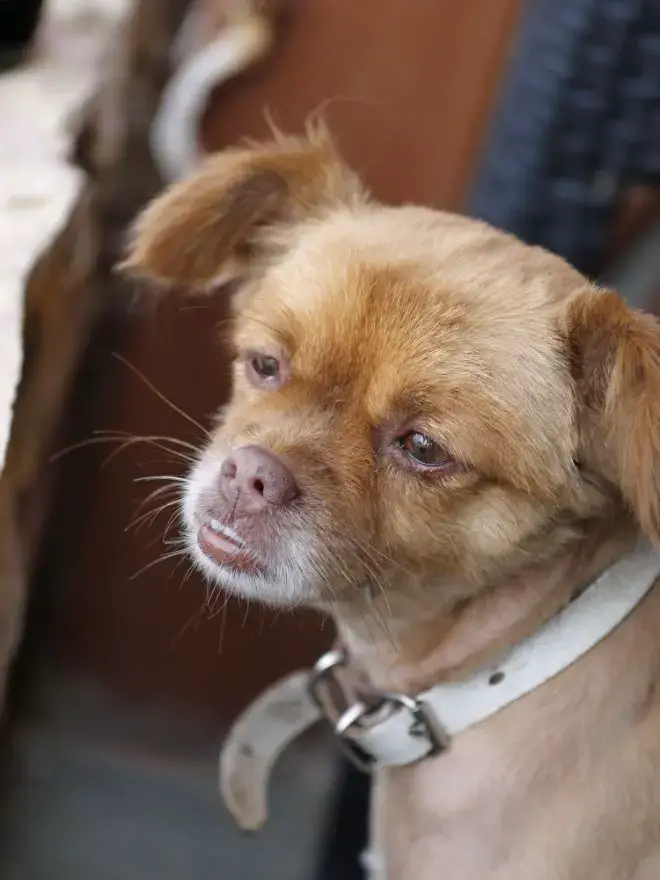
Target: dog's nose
pixel 254 477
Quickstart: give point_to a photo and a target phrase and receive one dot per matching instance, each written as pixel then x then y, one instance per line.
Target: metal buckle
pixel 325 665
pixel 423 723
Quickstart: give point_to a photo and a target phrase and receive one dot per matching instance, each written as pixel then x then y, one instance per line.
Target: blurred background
pixel 541 117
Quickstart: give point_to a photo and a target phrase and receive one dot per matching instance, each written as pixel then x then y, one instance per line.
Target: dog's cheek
pixel 499 520
pixel 339 518
pixel 463 529
pixel 420 523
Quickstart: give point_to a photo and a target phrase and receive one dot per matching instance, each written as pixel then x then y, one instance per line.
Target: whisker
pixel 177 441
pixel 173 518
pixel 193 619
pixel 224 613
pixel 160 395
pixel 247 611
pixel 80 444
pixel 176 542
pixel 128 441
pixel 124 441
pixel 163 558
pixel 162 537
pixel 187 575
pixel 139 518
pixel 151 515
pixel 161 490
pixel 160 478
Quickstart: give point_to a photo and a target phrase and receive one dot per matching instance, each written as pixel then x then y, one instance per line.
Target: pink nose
pixel 254 477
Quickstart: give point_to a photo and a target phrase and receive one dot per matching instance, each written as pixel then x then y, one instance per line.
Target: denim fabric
pixel 579 119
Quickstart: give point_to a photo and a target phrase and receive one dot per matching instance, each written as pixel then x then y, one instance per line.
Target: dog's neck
pixel 403 647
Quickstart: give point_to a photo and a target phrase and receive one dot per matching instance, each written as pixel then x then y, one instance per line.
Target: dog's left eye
pixel 424 451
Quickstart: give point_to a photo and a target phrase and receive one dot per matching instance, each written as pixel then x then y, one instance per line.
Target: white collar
pixel 401 729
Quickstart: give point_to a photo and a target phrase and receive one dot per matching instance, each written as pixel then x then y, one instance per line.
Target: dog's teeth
pixel 227 531
pixel 232 534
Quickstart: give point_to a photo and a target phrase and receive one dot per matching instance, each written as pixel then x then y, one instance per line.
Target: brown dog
pixel 441 436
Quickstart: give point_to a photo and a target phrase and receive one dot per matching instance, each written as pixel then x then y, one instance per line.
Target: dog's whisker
pixel 179 564
pixel 83 444
pixel 372 578
pixel 164 438
pixel 193 619
pixel 170 524
pixel 151 515
pixel 247 612
pixel 175 542
pixel 162 558
pixel 150 385
pixel 160 478
pixel 162 536
pixel 157 493
pixel 382 556
pixel 223 625
pixel 123 442
pixel 129 440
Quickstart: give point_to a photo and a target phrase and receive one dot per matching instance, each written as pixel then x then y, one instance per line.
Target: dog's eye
pixel 263 369
pixel 265 366
pixel 424 451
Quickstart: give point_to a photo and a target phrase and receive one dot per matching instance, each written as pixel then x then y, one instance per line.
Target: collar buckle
pixel 361 724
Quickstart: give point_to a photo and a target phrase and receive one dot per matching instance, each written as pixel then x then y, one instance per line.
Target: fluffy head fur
pixel 541 391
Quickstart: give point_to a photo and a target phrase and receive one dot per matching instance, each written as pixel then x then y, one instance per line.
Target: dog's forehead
pixel 411 294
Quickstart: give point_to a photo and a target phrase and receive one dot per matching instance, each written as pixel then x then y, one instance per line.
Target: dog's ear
pixel 207 228
pixel 615 358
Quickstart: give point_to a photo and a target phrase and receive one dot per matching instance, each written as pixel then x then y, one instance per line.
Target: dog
pixel 449 441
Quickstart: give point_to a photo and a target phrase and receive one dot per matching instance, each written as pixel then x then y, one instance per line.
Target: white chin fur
pixel 285 592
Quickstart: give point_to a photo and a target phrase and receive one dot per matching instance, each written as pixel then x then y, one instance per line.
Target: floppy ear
pixel 615 356
pixel 206 228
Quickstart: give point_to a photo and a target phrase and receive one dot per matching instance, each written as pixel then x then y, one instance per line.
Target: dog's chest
pixel 452 816
pixel 548 809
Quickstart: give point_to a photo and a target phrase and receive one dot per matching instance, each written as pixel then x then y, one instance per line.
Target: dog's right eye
pixel 265 366
pixel 263 370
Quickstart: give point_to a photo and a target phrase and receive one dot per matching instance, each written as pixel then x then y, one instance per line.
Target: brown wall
pixel 410 85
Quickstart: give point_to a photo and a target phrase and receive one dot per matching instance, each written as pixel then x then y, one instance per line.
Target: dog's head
pixel 421 402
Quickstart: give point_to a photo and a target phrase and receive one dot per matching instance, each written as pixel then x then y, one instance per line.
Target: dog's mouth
pixel 224 546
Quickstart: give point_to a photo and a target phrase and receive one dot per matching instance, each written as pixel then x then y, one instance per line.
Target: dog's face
pixel 421 403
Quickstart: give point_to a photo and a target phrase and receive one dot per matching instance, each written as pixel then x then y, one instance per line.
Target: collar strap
pixel 391 730
pixel 380 730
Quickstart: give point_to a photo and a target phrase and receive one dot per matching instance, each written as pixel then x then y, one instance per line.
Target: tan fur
pixel 191 233
pixel 616 359
pixel 545 389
